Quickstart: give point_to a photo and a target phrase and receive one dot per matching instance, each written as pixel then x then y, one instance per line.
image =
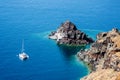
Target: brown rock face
pixel 68 34
pixel 103 56
pixel 68 26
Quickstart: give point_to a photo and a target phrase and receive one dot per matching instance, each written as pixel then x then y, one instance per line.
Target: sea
pixel 33 20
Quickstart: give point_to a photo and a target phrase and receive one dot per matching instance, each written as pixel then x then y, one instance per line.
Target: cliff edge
pixel 103 57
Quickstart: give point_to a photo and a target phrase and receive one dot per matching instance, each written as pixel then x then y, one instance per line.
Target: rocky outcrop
pixel 68 34
pixel 103 56
pixel 103 74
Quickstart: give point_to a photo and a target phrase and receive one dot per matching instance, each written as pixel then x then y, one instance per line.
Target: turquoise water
pixel 33 20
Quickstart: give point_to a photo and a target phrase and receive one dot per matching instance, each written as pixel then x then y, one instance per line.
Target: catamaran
pixel 23 55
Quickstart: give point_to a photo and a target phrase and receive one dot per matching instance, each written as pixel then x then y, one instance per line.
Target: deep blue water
pixel 32 20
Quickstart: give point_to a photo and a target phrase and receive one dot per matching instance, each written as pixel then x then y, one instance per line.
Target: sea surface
pixel 33 20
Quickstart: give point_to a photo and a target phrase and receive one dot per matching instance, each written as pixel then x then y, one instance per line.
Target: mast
pixel 22 46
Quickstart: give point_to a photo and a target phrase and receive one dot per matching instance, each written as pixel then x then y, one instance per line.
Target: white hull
pixel 23 56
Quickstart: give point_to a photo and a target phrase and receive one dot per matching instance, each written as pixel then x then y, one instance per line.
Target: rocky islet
pixel 68 34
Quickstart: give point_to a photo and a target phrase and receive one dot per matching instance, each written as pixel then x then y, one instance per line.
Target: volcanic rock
pixel 68 34
pixel 104 56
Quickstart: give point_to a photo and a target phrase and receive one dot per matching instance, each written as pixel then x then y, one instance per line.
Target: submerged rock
pixel 68 34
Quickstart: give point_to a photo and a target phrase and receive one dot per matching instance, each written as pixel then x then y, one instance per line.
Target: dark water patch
pixel 69 51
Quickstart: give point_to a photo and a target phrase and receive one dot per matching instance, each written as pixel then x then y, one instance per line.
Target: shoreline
pixel 103 56
pixel 100 56
pixel 80 62
pixel 67 36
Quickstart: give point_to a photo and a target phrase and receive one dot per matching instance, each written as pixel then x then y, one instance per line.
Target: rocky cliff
pixel 68 34
pixel 103 57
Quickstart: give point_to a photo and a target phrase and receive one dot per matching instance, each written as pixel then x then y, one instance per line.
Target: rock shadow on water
pixel 69 51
